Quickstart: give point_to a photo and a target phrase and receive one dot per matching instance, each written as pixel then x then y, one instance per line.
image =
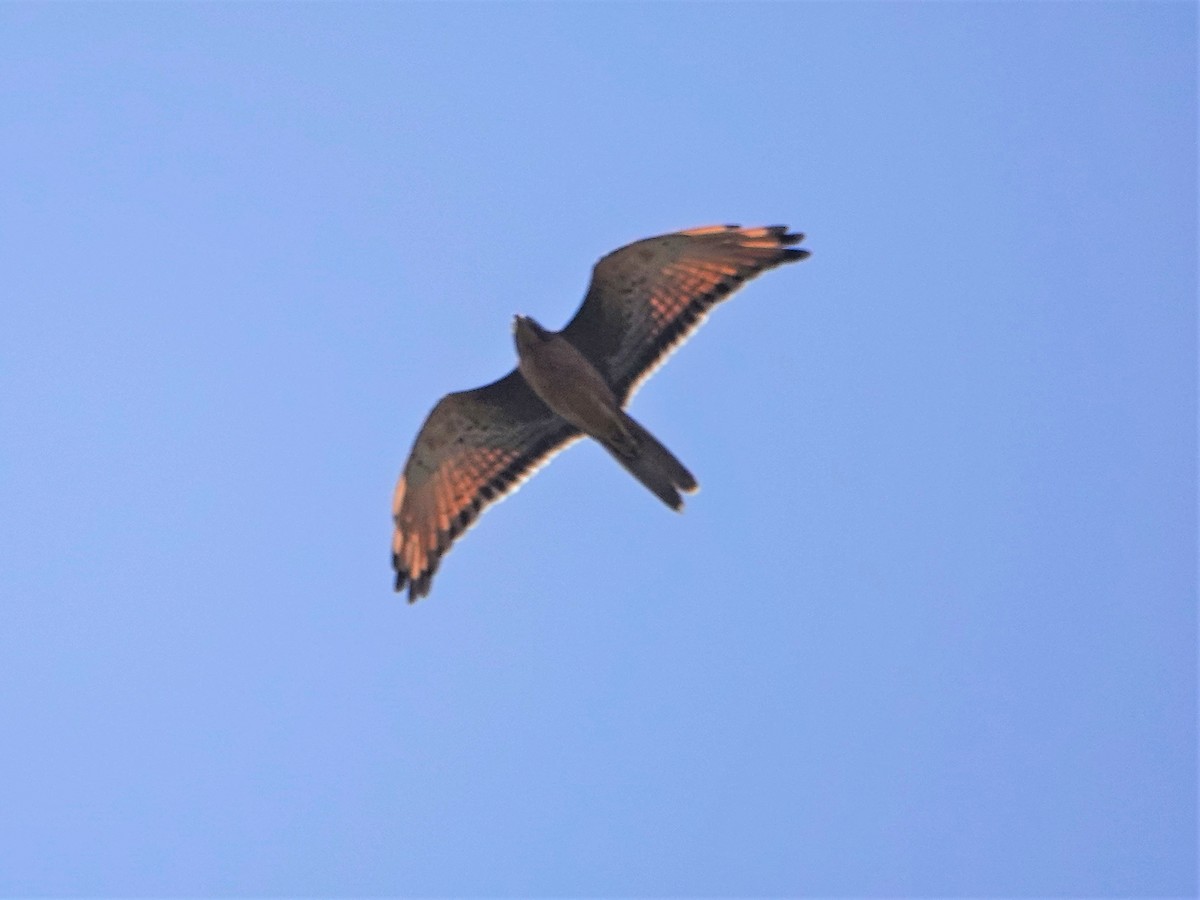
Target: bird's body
pixel 564 379
pixel 573 388
pixel 477 445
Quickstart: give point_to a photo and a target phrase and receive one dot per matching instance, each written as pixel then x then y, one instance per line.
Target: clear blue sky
pixel 928 629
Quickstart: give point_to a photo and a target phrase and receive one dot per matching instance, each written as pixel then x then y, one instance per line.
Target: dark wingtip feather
pixel 420 587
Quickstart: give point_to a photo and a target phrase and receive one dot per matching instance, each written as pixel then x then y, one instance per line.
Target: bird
pixel 477 446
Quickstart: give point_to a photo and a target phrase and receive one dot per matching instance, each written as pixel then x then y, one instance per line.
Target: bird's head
pixel 528 332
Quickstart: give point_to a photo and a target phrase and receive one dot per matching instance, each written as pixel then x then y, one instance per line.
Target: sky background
pixel 929 628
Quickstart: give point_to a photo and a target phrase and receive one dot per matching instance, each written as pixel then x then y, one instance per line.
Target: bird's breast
pixel 569 384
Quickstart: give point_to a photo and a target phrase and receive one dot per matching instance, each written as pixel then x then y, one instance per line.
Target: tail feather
pixel 647 460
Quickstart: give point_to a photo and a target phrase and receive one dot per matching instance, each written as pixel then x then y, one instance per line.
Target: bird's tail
pixel 651 463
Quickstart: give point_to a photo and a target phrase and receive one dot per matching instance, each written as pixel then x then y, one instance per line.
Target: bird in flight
pixel 477 446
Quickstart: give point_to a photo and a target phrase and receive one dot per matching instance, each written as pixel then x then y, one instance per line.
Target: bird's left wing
pixel 474 448
pixel 648 296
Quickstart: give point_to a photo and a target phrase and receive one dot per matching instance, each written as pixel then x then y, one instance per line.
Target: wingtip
pixel 784 235
pixel 419 587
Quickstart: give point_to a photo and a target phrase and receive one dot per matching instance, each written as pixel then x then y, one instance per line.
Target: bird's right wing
pixel 474 448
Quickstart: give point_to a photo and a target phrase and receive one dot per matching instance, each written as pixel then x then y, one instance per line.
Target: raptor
pixel 477 446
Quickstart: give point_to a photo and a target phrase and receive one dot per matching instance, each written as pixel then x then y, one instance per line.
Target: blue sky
pixel 929 628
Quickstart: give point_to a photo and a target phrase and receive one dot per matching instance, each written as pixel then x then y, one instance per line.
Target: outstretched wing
pixel 475 447
pixel 648 297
